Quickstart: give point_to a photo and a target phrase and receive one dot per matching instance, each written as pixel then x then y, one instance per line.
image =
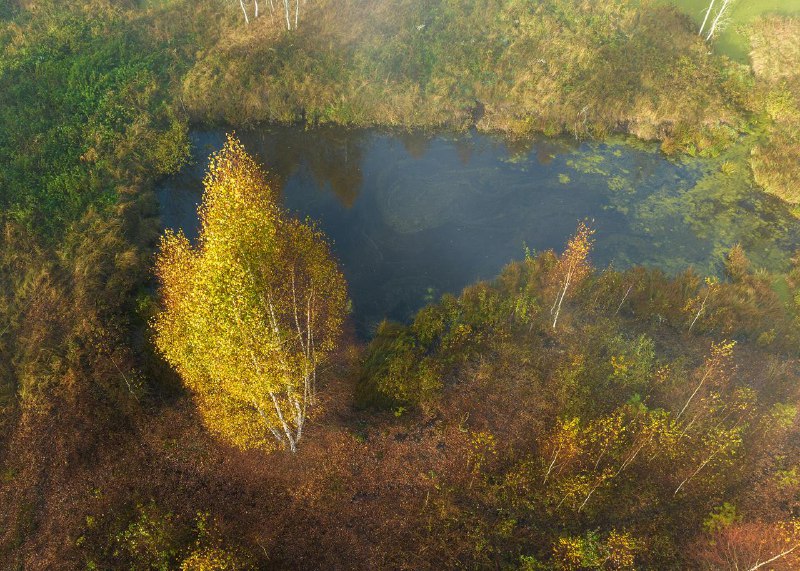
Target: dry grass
pixel 776 61
pixel 577 67
pixel 775 53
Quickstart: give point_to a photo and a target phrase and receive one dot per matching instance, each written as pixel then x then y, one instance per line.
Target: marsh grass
pixel 558 67
pixel 776 63
pixel 581 68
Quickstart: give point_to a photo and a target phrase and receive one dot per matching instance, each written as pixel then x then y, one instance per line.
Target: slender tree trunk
pixel 721 13
pixel 311 359
pixel 705 20
pixel 244 11
pixel 553 463
pixel 625 464
pixel 560 299
pixel 291 439
pixel 624 297
pixel 296 12
pixel 256 12
pixel 703 465
pixel 700 384
pixel 299 415
pixel 633 456
pixel 267 421
pixel 589 495
pixel 286 11
pixel 699 311
pixel 775 558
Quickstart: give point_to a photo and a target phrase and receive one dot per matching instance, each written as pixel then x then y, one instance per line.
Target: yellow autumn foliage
pixel 250 311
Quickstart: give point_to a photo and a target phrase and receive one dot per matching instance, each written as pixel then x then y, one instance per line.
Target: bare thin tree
pixel 720 19
pixel 287 12
pixel 705 20
pixel 244 5
pixel 244 11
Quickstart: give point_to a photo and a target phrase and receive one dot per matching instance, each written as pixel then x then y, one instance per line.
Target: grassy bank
pixel 580 68
pixel 514 67
pixel 776 63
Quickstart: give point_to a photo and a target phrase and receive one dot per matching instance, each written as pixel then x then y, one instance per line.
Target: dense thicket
pixel 619 438
pixel 655 404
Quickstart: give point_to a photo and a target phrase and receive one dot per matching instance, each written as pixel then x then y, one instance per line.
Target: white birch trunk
pixel 550 468
pixel 286 12
pixel 624 297
pixel 721 13
pixel 699 311
pixel 560 299
pixel 775 558
pixel 700 384
pixel 705 20
pixel 291 438
pixel 589 495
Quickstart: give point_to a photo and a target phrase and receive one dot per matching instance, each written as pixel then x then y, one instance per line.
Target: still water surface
pixel 411 216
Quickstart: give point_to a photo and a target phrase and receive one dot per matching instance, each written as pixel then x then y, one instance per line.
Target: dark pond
pixel 411 216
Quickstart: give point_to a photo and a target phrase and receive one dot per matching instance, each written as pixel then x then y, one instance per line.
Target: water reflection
pixel 333 156
pixel 544 149
pixel 413 216
pixel 415 143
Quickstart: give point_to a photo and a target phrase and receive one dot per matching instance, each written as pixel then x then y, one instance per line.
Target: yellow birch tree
pixel 573 266
pixel 251 312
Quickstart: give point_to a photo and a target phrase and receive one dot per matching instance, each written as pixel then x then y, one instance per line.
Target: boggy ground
pixel 489 439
